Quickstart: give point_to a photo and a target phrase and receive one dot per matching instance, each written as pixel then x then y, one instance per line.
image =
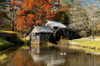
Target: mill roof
pixel 56 24
pixel 43 29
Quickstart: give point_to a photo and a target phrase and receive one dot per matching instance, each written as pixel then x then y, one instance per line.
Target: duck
pixel 63 53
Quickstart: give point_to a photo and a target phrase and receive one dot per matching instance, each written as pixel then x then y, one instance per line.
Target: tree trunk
pixel 92 36
pixel 12 25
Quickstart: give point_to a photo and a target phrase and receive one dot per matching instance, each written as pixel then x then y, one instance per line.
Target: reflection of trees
pixel 73 57
pixel 22 58
pixel 51 56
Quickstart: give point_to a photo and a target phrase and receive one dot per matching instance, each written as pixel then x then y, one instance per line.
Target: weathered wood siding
pixel 36 38
pixel 67 33
pixel 44 36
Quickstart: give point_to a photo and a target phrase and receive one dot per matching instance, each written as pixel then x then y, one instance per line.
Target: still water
pixel 50 56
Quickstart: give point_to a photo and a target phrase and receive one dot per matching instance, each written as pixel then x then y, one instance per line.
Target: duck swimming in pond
pixel 63 53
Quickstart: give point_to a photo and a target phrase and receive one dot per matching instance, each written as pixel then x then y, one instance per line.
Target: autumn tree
pixel 77 16
pixel 83 15
pixel 12 13
pixel 35 12
pixel 3 15
pixel 67 3
pixel 2 7
pixel 92 18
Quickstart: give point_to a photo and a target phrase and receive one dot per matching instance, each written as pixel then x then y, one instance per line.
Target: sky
pixel 85 3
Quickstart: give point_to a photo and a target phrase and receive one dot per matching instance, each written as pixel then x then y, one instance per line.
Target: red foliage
pixel 34 12
pixel 2 13
pixel 63 8
pixel 21 60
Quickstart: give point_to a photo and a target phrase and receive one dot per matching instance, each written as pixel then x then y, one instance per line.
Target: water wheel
pixel 57 35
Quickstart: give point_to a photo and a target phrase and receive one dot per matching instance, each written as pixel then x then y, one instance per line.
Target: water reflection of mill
pixel 74 57
pixel 49 55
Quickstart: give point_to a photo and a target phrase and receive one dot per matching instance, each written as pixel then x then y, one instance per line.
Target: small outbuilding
pixel 40 33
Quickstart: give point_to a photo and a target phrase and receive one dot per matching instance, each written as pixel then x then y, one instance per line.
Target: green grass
pixel 3 57
pixel 97 37
pixel 5 44
pixel 25 40
pixel 3 31
pixel 86 43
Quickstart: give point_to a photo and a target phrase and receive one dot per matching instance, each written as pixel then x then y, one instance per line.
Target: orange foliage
pixel 63 8
pixel 2 13
pixel 21 60
pixel 34 12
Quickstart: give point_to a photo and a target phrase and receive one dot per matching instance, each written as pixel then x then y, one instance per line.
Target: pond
pixel 50 56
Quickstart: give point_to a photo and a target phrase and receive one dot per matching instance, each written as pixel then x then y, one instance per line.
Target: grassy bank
pixel 97 37
pixel 3 31
pixel 5 44
pixel 3 57
pixel 86 43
